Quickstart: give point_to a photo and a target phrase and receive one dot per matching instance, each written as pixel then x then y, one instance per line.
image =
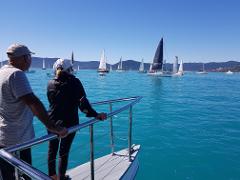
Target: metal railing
pixel 37 174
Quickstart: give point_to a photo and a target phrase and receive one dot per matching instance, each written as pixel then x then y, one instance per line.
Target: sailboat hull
pixel 159 73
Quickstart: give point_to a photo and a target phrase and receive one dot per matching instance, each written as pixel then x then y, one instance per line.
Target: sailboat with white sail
pixel 103 64
pixel 43 64
pixel 120 68
pixel 157 65
pixel 141 67
pixel 180 69
pixel 203 70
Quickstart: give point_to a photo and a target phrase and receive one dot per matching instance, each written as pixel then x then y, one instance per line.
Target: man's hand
pixel 101 116
pixel 60 131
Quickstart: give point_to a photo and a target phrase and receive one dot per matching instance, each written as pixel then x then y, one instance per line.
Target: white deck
pixel 109 167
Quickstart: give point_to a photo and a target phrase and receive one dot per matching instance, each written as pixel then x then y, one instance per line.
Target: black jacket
pixel 65 96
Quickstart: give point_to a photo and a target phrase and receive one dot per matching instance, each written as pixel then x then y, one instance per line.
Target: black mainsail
pixel 158 58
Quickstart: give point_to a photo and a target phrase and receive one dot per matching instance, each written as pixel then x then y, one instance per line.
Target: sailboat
pixel 141 67
pixel 229 72
pixel 203 70
pixel 180 70
pixel 175 65
pixel 157 65
pixel 103 64
pixel 119 68
pixel 43 65
pixel 110 68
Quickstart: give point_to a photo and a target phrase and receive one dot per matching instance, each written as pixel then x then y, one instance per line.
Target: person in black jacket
pixel 65 95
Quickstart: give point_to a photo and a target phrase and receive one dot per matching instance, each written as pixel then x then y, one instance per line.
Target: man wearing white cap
pixel 18 104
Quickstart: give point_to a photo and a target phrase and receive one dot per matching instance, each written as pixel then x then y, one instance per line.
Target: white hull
pixel 201 72
pixel 109 167
pixel 159 73
pixel 229 72
pixel 178 74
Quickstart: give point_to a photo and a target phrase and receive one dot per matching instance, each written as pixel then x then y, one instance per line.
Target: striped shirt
pixel 16 118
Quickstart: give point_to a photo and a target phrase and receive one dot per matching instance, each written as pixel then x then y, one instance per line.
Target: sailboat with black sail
pixel 157 65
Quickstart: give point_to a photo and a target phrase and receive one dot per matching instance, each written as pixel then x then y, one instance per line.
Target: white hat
pixel 63 64
pixel 16 50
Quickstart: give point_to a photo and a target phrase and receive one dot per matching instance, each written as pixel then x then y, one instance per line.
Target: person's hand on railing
pixel 56 128
pixel 101 116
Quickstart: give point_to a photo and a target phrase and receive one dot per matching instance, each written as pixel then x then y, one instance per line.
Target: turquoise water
pixel 188 127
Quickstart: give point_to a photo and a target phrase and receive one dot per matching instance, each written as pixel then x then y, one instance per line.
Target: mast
pixel 72 58
pixel 158 58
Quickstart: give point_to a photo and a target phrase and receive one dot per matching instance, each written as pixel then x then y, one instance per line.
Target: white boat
pixel 141 67
pixel 229 72
pixel 203 70
pixel 43 64
pixel 78 68
pixel 157 65
pixel 103 64
pixel 110 69
pixel 180 70
pixel 120 68
pixel 122 164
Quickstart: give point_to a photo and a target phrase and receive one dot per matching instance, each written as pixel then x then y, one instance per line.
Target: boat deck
pixel 110 167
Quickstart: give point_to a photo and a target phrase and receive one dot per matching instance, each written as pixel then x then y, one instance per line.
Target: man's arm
pixel 39 110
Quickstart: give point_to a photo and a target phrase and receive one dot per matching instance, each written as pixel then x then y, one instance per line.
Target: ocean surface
pixel 188 127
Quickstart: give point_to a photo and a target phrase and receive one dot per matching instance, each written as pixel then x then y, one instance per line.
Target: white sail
pixel 78 68
pixel 110 67
pixel 175 65
pixel 141 67
pixel 150 68
pixel 119 68
pixel 120 64
pixel 180 70
pixel 43 65
pixel 103 62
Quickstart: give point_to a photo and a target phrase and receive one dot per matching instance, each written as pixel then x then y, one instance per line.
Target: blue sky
pixel 196 31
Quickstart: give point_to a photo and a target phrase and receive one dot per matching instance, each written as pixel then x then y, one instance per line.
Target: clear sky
pixel 194 30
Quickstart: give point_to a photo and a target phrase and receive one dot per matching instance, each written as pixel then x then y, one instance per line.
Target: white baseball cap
pixel 63 64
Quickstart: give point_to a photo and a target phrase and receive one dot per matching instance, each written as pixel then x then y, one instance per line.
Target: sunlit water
pixel 188 127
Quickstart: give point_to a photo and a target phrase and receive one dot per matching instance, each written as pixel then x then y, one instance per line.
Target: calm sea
pixel 188 127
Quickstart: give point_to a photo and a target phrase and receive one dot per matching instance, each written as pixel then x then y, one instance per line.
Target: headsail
pixel 158 58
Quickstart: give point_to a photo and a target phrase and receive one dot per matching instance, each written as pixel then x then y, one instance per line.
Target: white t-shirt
pixel 16 118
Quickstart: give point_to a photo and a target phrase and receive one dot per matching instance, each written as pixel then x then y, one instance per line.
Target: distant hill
pixel 134 65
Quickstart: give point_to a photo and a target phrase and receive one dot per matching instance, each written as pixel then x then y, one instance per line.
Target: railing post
pixel 16 172
pixel 130 134
pixel 91 152
pixel 111 130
